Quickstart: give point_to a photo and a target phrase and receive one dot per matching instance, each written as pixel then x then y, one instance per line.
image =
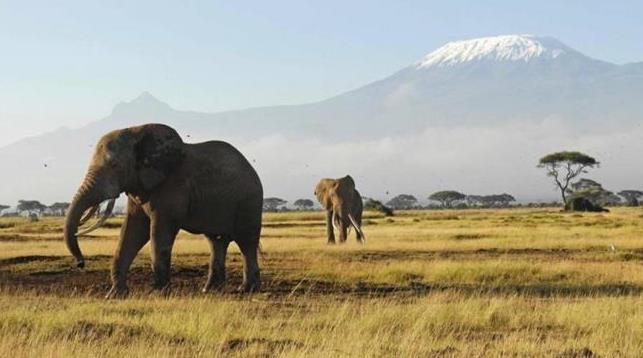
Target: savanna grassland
pixel 515 282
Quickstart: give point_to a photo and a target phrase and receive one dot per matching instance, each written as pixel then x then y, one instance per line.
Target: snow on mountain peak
pixel 497 48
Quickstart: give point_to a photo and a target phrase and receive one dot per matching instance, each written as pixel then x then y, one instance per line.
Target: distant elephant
pixel 343 205
pixel 583 204
pixel 204 188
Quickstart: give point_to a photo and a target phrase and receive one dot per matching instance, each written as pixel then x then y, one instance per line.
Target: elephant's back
pixel 220 163
pixel 223 189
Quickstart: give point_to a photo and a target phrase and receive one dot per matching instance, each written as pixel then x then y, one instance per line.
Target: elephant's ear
pixel 158 152
pixel 322 192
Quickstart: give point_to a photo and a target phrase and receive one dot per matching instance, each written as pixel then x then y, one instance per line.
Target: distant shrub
pixel 372 204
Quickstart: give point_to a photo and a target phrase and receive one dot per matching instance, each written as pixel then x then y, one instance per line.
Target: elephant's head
pixel 134 160
pixel 336 194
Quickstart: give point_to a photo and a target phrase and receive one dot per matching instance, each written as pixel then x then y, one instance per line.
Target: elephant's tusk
pixel 88 214
pixel 335 221
pixel 357 228
pixel 101 221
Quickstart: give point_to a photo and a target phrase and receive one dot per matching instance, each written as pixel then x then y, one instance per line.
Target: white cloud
pixel 470 159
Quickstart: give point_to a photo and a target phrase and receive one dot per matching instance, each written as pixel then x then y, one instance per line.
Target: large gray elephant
pixel 343 205
pixel 205 188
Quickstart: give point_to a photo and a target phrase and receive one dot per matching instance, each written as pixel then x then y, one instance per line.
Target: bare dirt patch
pixel 54 275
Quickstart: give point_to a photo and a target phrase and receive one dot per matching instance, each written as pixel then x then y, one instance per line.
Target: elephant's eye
pixel 109 156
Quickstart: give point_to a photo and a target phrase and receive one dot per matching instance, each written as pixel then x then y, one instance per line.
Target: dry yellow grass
pixel 521 282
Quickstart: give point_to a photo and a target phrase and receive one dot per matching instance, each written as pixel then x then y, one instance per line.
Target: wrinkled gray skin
pixel 343 205
pixel 205 188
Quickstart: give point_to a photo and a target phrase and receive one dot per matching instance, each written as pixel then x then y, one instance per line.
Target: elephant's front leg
pixel 163 233
pixel 216 274
pixel 330 234
pixel 343 231
pixel 135 233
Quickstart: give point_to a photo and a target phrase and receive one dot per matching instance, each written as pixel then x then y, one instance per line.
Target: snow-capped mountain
pixel 498 48
pixel 463 90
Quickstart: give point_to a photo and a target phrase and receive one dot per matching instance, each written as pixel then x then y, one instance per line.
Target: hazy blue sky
pixel 69 62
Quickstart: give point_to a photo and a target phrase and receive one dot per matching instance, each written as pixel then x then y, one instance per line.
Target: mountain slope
pixel 492 82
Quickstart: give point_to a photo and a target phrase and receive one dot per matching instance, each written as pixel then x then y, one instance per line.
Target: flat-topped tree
pixel 631 196
pixel 59 208
pixel 304 204
pixel 584 184
pixel 447 197
pixel 2 207
pixel 402 201
pixel 475 200
pixel 273 204
pixel 565 166
pixel 593 191
pixel 31 206
pixel 498 200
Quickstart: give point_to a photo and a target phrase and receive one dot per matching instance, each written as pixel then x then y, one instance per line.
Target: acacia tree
pixel 631 196
pixel 2 207
pixel 498 200
pixel 272 204
pixel 59 208
pixel 31 206
pixel 487 201
pixel 592 191
pixel 565 166
pixel 402 201
pixel 447 197
pixel 475 200
pixel 304 204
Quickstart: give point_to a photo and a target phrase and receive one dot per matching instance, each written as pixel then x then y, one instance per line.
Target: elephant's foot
pixel 249 288
pixel 330 242
pixel 161 290
pixel 117 292
pixel 251 285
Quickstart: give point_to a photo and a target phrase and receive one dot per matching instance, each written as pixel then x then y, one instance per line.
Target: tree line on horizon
pixel 36 208
pixel 563 167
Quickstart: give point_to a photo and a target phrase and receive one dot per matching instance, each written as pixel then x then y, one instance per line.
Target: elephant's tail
pixel 357 227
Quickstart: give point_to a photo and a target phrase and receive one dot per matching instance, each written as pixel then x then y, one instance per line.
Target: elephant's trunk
pixel 87 196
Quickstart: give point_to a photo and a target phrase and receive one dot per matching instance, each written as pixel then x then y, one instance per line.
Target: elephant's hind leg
pixel 247 231
pixel 216 273
pixel 251 274
pixel 358 229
